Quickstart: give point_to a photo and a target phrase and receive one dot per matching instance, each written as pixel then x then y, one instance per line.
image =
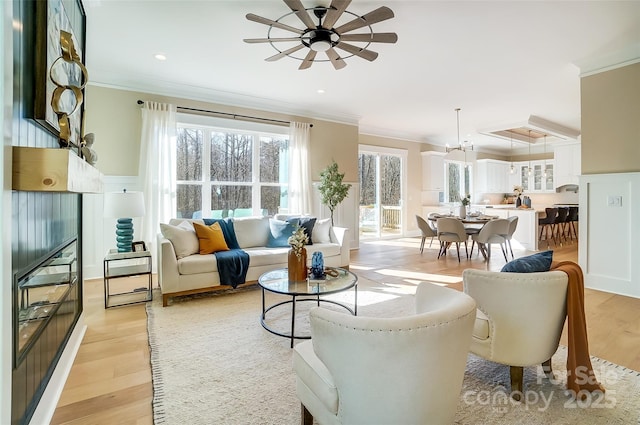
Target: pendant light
pixel 530 171
pixel 512 168
pixel 544 172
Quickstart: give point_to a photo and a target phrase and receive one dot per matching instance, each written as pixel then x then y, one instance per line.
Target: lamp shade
pixel 123 204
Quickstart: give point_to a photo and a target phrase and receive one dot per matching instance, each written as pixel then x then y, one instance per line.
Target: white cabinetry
pixel 432 170
pixel 537 181
pixel 492 176
pixel 568 164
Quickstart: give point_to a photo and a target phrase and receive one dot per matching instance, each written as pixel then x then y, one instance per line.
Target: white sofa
pixel 194 273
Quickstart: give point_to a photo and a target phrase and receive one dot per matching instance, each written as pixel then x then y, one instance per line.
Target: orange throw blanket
pixel 580 375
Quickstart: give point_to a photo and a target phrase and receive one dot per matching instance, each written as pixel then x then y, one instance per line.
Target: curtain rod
pixel 234 116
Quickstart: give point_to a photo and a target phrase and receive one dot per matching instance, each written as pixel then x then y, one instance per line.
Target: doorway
pixel 381 192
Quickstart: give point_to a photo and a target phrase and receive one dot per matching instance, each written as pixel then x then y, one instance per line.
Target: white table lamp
pixel 124 206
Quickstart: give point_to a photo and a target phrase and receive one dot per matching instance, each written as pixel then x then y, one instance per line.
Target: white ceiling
pixel 500 62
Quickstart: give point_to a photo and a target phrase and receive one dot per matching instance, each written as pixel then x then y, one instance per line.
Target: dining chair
pixel 513 224
pixel 495 231
pixel 427 231
pixel 451 230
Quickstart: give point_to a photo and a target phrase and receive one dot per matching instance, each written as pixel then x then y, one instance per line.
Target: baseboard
pixel 49 401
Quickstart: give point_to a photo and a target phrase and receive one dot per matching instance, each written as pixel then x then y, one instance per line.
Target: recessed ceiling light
pixel 160 57
pixel 320 91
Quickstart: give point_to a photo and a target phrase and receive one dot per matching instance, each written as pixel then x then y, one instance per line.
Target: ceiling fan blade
pixel 301 12
pixel 336 9
pixel 363 53
pixel 261 20
pixel 308 60
pixel 383 37
pixel 284 53
pixel 380 14
pixel 270 40
pixel 336 61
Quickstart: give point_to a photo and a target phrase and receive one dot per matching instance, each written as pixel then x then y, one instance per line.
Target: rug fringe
pixel 156 376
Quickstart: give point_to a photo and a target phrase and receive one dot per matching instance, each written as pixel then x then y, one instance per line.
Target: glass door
pixel 381 193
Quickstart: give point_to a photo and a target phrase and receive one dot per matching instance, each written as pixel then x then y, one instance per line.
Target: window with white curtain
pixel 230 171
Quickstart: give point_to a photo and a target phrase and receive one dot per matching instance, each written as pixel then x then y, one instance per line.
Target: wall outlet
pixel 614 201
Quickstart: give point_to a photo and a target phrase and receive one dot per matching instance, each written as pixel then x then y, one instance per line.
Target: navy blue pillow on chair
pixel 540 262
pixel 280 231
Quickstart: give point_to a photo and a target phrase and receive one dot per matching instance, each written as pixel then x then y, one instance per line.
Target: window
pixel 457 180
pixel 224 172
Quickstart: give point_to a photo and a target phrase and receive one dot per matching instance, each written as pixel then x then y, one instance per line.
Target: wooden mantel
pixel 53 170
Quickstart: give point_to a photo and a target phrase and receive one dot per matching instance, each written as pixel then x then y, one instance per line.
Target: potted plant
pixel 466 201
pixel 332 190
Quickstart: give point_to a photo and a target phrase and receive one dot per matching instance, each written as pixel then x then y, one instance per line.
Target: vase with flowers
pixel 518 190
pixel 297 258
pixel 466 201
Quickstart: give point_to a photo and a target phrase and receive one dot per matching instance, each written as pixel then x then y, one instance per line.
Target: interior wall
pixel 115 118
pixel 610 103
pixel 610 183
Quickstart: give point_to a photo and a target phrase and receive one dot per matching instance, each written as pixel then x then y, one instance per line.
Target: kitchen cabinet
pixel 432 171
pixel 568 164
pixel 536 181
pixel 492 176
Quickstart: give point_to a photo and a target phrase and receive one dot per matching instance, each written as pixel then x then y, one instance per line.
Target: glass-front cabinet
pixel 540 179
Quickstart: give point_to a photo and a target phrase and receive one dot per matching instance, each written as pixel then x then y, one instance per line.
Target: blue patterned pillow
pixel 540 262
pixel 280 231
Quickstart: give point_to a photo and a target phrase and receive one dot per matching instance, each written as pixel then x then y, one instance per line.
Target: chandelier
pixel 458 152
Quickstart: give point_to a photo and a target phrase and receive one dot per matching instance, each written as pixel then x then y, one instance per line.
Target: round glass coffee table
pixel 277 282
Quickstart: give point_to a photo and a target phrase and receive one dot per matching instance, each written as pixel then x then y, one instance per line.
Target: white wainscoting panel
pixel 99 233
pixel 609 232
pixel 345 215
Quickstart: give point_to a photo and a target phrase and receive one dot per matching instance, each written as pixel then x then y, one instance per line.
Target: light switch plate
pixel 614 201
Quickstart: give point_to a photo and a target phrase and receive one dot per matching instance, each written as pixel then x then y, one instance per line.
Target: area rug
pixel 213 363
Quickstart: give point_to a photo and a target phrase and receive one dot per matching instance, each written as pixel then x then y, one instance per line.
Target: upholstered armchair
pixel 402 370
pixel 519 319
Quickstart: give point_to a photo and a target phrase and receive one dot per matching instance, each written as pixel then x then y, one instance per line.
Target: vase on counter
pixel 527 202
pixel 518 201
pixel 297 266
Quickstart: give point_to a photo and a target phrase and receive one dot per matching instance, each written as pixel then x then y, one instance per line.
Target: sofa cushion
pixel 267 256
pixel 321 231
pixel 197 264
pixel 226 224
pixel 183 238
pixel 307 224
pixel 481 326
pixel 280 232
pixel 211 238
pixel 540 262
pixel 251 231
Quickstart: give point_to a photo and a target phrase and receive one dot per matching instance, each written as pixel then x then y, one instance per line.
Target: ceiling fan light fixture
pixel 321 36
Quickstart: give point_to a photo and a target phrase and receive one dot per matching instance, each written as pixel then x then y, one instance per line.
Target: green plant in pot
pixel 332 190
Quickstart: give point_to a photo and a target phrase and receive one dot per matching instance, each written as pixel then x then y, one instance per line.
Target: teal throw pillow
pixel 280 231
pixel 540 262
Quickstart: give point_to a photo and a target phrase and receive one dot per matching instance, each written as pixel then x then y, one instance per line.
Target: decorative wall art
pixel 60 74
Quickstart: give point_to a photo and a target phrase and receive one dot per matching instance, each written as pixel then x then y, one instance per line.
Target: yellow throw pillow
pixel 211 238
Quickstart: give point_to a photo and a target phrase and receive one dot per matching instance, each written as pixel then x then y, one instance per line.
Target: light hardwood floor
pixel 110 381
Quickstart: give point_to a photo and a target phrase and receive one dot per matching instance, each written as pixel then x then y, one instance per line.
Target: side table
pixel 118 265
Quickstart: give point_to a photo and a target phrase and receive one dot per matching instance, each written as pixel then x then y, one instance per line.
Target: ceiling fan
pixel 321 36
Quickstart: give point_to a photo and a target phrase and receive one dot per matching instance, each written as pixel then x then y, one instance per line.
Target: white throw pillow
pixel 183 238
pixel 321 231
pixel 252 231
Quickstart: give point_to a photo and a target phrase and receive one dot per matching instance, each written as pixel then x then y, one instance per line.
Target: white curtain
pixel 157 169
pixel 300 190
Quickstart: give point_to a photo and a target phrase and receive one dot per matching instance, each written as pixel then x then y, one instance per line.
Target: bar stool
pixel 572 218
pixel 560 223
pixel 547 223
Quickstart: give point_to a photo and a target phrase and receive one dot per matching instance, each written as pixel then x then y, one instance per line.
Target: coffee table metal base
pixel 294 299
